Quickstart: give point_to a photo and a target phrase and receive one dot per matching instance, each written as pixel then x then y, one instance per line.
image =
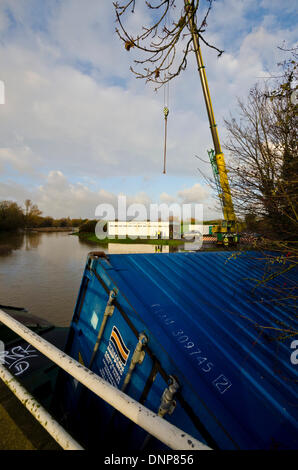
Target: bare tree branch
pixel 160 42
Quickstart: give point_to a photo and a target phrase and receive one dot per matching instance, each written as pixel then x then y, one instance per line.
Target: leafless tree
pixel 32 213
pixel 263 170
pixel 159 42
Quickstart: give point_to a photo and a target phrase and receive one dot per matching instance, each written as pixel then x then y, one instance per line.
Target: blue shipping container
pixel 212 325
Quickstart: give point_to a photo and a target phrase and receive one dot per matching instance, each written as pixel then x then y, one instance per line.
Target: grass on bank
pixel 91 237
pixel 142 241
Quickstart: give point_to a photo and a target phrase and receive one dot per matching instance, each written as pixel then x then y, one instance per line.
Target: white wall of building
pixel 143 229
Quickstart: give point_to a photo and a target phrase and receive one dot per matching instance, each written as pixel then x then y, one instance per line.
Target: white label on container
pixel 94 320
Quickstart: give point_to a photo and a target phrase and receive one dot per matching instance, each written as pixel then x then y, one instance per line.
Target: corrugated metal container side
pixel 213 324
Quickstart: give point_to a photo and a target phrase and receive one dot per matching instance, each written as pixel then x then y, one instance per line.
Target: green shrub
pixel 88 226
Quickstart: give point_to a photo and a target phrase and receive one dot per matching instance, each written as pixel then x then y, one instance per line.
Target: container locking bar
pixel 110 307
pixel 168 404
pixel 137 358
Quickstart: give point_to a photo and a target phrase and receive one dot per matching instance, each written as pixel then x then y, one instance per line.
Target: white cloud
pixel 58 197
pixel 166 198
pixel 196 194
pixel 72 103
pixel 21 158
pixel 4 22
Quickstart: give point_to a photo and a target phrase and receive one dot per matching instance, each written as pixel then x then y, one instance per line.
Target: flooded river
pixel 42 271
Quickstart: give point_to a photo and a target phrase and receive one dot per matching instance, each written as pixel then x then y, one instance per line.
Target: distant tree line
pixel 14 217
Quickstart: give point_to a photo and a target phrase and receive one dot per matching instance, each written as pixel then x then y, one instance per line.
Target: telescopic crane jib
pixel 227 230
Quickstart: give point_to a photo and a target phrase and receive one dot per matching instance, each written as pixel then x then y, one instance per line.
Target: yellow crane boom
pixel 216 157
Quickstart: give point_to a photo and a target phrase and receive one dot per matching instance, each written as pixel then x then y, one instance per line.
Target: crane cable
pixel 166 107
pixel 166 113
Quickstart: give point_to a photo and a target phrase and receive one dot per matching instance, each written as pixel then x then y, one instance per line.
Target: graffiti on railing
pixel 17 359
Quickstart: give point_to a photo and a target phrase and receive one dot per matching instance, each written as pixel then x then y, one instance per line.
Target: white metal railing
pixel 39 412
pixel 166 432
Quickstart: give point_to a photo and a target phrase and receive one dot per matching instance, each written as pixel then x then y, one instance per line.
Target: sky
pixel 78 129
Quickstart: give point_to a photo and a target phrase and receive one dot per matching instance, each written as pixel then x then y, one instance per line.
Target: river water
pixel 42 271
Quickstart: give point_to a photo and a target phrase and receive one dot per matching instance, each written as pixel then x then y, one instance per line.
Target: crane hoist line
pixel 227 230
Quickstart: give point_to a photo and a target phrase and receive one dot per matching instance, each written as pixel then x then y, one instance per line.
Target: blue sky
pixel 77 128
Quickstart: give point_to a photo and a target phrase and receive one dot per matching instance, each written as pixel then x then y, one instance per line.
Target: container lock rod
pixel 137 358
pixel 168 404
pixel 109 310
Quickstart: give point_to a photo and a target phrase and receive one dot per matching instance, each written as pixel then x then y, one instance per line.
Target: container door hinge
pixel 168 404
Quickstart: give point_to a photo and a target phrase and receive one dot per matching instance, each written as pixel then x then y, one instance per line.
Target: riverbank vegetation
pixel 14 217
pixel 90 236
pixel 87 232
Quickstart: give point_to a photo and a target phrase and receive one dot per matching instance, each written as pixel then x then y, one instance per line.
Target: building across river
pixel 145 229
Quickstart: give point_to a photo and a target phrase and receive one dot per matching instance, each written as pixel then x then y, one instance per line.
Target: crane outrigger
pixel 227 231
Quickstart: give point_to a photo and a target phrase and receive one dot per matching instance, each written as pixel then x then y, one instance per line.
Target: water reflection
pixel 8 243
pixel 42 271
pixel 16 241
pixel 119 248
pixel 126 248
pixel 92 245
pixel 32 240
